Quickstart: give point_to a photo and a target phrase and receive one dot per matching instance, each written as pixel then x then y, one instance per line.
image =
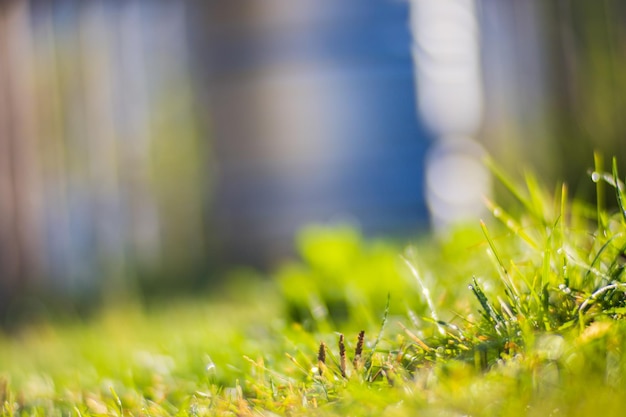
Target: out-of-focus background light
pixel 149 143
pixel 447 55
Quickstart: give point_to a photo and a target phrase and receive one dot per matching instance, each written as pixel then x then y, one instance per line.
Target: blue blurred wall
pixel 313 113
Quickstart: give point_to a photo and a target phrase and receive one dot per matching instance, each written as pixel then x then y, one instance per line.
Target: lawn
pixel 521 314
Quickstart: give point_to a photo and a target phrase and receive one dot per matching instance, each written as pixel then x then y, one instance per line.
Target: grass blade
pixel 489 313
pixel 383 324
pixel 618 190
pixel 506 219
pixel 425 292
pixel 598 162
pixel 504 273
pixel 596 259
pixel 508 184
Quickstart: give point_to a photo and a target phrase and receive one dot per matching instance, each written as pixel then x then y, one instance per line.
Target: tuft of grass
pixel 522 314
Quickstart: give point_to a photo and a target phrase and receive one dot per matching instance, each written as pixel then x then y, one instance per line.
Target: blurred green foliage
pixel 342 278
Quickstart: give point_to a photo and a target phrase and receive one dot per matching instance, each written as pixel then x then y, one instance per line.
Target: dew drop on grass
pixel 595 176
pixel 210 365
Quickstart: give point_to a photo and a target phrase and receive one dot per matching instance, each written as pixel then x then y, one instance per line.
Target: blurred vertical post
pixel 19 184
pixel 449 87
pixel 104 175
pixel 101 161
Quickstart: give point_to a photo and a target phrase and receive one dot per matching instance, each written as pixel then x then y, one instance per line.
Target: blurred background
pixel 149 144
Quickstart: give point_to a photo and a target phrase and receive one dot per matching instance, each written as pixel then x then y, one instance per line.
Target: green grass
pixel 519 315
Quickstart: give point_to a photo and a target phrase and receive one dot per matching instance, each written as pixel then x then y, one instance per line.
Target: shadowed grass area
pixel 519 316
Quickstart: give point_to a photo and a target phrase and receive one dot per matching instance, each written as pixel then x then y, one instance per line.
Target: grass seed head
pixel 358 351
pixel 342 355
pixel 321 358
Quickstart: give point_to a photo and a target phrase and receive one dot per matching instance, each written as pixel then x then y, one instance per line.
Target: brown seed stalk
pixel 342 355
pixel 358 351
pixel 321 358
